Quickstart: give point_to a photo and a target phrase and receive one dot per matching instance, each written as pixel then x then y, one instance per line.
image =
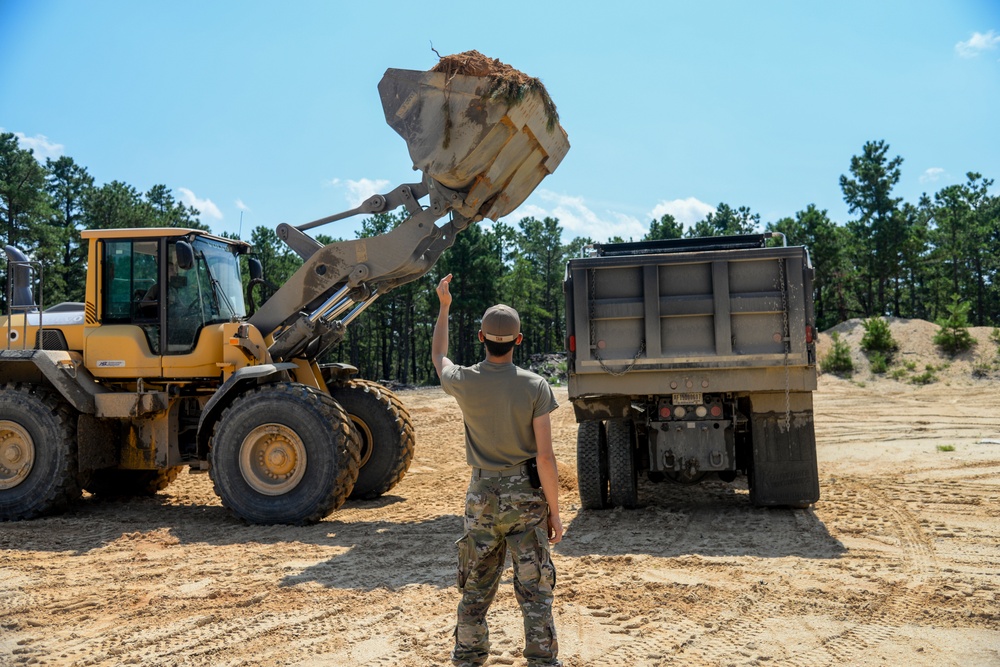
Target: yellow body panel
pixel 119 351
pixel 203 361
pixel 19 337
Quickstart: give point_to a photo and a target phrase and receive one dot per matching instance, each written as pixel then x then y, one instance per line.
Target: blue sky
pixel 270 110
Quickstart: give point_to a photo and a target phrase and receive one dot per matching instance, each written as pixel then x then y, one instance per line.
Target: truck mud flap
pixel 784 471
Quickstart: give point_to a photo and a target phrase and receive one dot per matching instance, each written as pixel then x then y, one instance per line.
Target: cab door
pixel 127 342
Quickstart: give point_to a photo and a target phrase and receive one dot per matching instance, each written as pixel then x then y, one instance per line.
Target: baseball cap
pixel 501 324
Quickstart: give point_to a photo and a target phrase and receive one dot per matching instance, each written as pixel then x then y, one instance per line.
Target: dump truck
pixel 693 359
pixel 164 365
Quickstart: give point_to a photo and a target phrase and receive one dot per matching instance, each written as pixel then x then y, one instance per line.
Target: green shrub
pixel 995 335
pixel 878 337
pixel 953 336
pixel 946 448
pixel 927 377
pixel 879 362
pixel 839 359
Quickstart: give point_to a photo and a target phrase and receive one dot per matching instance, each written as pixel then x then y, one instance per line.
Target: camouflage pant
pixel 504 513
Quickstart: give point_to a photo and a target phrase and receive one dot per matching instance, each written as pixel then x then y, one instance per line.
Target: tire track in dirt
pixel 902 544
pixel 861 636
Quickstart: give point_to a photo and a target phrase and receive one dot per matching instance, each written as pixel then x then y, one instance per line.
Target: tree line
pixel 893 258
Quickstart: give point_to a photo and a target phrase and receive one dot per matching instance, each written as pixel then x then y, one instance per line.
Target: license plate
pixel 687 399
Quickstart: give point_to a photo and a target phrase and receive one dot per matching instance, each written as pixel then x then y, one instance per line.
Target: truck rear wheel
pixel 38 469
pixel 592 464
pixel 116 483
pixel 622 469
pixel 284 453
pixel 386 433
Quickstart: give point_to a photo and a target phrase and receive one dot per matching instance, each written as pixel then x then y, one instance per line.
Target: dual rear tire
pixel 607 470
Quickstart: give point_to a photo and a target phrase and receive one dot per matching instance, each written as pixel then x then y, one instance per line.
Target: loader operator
pixel 183 324
pixel 513 497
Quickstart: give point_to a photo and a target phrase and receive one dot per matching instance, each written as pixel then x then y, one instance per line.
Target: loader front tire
pixel 592 464
pixel 385 432
pixel 284 454
pixel 38 464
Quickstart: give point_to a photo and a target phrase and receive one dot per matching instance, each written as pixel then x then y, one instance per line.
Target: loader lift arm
pixel 348 276
pixel 480 158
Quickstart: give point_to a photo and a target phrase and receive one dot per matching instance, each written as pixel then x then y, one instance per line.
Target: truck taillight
pixel 809 334
pixel 572 343
pixel 716 411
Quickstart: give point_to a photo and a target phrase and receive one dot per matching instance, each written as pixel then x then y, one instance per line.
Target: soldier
pixel 513 496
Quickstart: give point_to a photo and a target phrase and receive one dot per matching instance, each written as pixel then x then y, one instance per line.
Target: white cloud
pixel 978 43
pixel 932 175
pixel 687 211
pixel 241 206
pixel 360 190
pixel 205 206
pixel 40 144
pixel 577 219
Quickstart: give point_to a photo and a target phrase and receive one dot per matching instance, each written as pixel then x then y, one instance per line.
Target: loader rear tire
pixel 116 483
pixel 284 454
pixel 592 465
pixel 385 432
pixel 38 460
pixel 622 470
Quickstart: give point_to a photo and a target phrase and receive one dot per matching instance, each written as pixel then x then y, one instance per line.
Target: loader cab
pixel 167 289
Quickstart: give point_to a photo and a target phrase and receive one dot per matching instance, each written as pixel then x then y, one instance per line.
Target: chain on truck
pixel 693 359
pixel 163 365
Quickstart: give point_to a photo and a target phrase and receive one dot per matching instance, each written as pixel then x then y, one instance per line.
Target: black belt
pixel 479 473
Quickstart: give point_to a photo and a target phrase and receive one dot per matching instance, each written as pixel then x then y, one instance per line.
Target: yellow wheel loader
pixel 162 366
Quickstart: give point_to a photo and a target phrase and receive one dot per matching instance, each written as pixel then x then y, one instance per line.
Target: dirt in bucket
pixel 507 84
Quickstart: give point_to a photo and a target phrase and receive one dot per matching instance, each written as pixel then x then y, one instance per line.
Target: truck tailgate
pixel 721 320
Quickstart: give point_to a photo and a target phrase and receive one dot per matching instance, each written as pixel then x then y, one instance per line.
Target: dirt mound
pixel 552 367
pixel 918 360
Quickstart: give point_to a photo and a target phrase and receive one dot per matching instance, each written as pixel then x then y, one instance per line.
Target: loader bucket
pixel 495 153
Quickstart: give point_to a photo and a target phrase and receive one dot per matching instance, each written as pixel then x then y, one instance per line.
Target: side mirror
pixel 185 255
pixel 256 268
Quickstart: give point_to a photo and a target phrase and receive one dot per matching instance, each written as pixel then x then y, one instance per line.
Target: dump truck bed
pixel 655 319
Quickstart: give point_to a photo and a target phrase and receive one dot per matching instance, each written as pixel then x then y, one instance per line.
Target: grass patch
pixel 946 448
pixel 898 373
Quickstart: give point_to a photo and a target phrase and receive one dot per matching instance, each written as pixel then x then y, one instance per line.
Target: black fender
pixel 58 369
pixel 337 372
pixel 230 389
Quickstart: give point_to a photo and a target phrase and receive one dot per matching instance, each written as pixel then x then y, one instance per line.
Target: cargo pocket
pixel 466 548
pixel 531 559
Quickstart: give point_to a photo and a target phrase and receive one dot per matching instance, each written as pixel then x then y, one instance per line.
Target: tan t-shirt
pixel 499 402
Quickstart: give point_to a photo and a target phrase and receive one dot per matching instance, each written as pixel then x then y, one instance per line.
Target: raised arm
pixel 439 343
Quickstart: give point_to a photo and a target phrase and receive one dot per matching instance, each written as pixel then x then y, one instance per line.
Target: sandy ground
pixel 897 564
